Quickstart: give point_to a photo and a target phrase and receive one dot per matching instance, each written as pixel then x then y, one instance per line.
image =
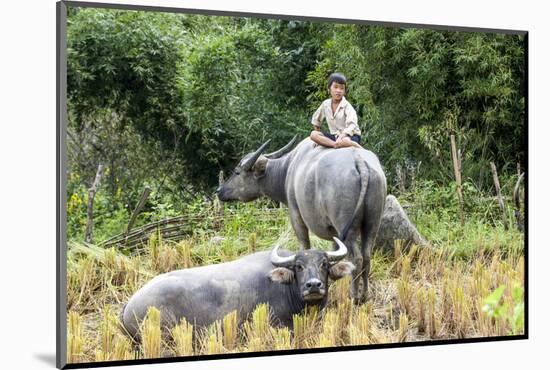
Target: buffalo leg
pixel 357 259
pixel 365 270
pixel 367 242
pixel 369 231
pixel 302 232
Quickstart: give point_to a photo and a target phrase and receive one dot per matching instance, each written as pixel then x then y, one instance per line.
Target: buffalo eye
pixel 299 267
pixel 324 264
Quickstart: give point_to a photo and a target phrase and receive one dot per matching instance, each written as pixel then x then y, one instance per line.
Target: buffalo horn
pixel 250 161
pixel 279 261
pixel 338 254
pixel 285 149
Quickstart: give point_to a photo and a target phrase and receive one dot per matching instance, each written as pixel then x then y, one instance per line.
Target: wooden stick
pixel 457 167
pixel 220 203
pixel 499 196
pixel 137 210
pixel 91 195
pixel 517 202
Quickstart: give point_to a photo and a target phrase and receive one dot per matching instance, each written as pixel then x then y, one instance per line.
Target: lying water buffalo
pixel 202 295
pixel 329 192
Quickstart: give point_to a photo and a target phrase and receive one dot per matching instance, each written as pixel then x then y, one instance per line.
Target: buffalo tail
pixel 363 170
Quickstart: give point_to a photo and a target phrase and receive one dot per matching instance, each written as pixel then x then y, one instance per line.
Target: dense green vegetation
pixel 169 100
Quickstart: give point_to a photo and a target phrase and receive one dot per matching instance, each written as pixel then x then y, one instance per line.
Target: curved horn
pixel 250 161
pixel 279 261
pixel 516 191
pixel 338 254
pixel 285 149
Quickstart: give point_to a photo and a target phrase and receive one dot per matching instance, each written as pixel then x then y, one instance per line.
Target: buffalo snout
pixel 221 193
pixel 314 284
pixel 314 290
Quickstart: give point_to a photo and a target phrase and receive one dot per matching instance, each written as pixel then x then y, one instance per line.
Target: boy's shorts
pixel 332 137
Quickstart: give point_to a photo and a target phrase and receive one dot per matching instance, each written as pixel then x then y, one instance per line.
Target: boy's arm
pixel 317 118
pixel 351 122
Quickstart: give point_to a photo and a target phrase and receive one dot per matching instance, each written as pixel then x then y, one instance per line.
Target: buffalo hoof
pixel 358 293
pixel 358 296
pixel 359 299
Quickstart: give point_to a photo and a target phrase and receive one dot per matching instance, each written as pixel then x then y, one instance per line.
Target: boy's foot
pixel 357 145
pixel 347 142
pixel 318 138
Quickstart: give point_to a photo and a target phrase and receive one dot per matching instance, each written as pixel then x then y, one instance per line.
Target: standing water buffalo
pixel 202 295
pixel 329 192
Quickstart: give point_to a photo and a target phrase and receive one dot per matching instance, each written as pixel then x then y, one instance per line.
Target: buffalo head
pixel 243 185
pixel 310 269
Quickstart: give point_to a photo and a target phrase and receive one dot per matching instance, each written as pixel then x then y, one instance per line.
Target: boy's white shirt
pixel 342 122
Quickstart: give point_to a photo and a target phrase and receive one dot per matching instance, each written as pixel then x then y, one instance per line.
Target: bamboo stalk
pixel 91 195
pixel 499 196
pixel 457 167
pixel 137 210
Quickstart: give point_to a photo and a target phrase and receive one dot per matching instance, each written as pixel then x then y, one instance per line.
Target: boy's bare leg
pixel 319 138
pixel 346 141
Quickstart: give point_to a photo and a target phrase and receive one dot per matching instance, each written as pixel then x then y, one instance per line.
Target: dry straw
pixel 252 243
pixel 281 338
pixel 75 338
pixel 183 249
pixel 230 328
pixel 151 334
pixel 331 330
pixel 421 309
pixel 403 328
pixel 182 336
pixel 359 328
pixel 107 333
pixel 257 330
pixel 434 322
pixel 305 327
pixel 212 342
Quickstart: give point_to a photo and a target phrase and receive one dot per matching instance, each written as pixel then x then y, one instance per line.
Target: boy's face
pixel 337 91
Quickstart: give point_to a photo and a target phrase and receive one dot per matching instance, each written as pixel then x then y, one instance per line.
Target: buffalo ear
pixel 341 269
pixel 259 167
pixel 281 275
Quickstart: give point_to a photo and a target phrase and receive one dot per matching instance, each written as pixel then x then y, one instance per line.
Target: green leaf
pixel 517 294
pixel 518 318
pixel 491 303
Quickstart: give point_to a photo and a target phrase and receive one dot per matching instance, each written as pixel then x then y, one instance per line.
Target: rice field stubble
pixel 467 288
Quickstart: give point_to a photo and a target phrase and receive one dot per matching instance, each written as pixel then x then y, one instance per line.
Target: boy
pixel 340 116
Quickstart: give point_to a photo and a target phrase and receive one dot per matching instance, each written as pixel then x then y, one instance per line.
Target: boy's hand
pixel 339 141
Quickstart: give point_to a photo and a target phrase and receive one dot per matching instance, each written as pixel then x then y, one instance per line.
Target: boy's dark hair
pixel 338 78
